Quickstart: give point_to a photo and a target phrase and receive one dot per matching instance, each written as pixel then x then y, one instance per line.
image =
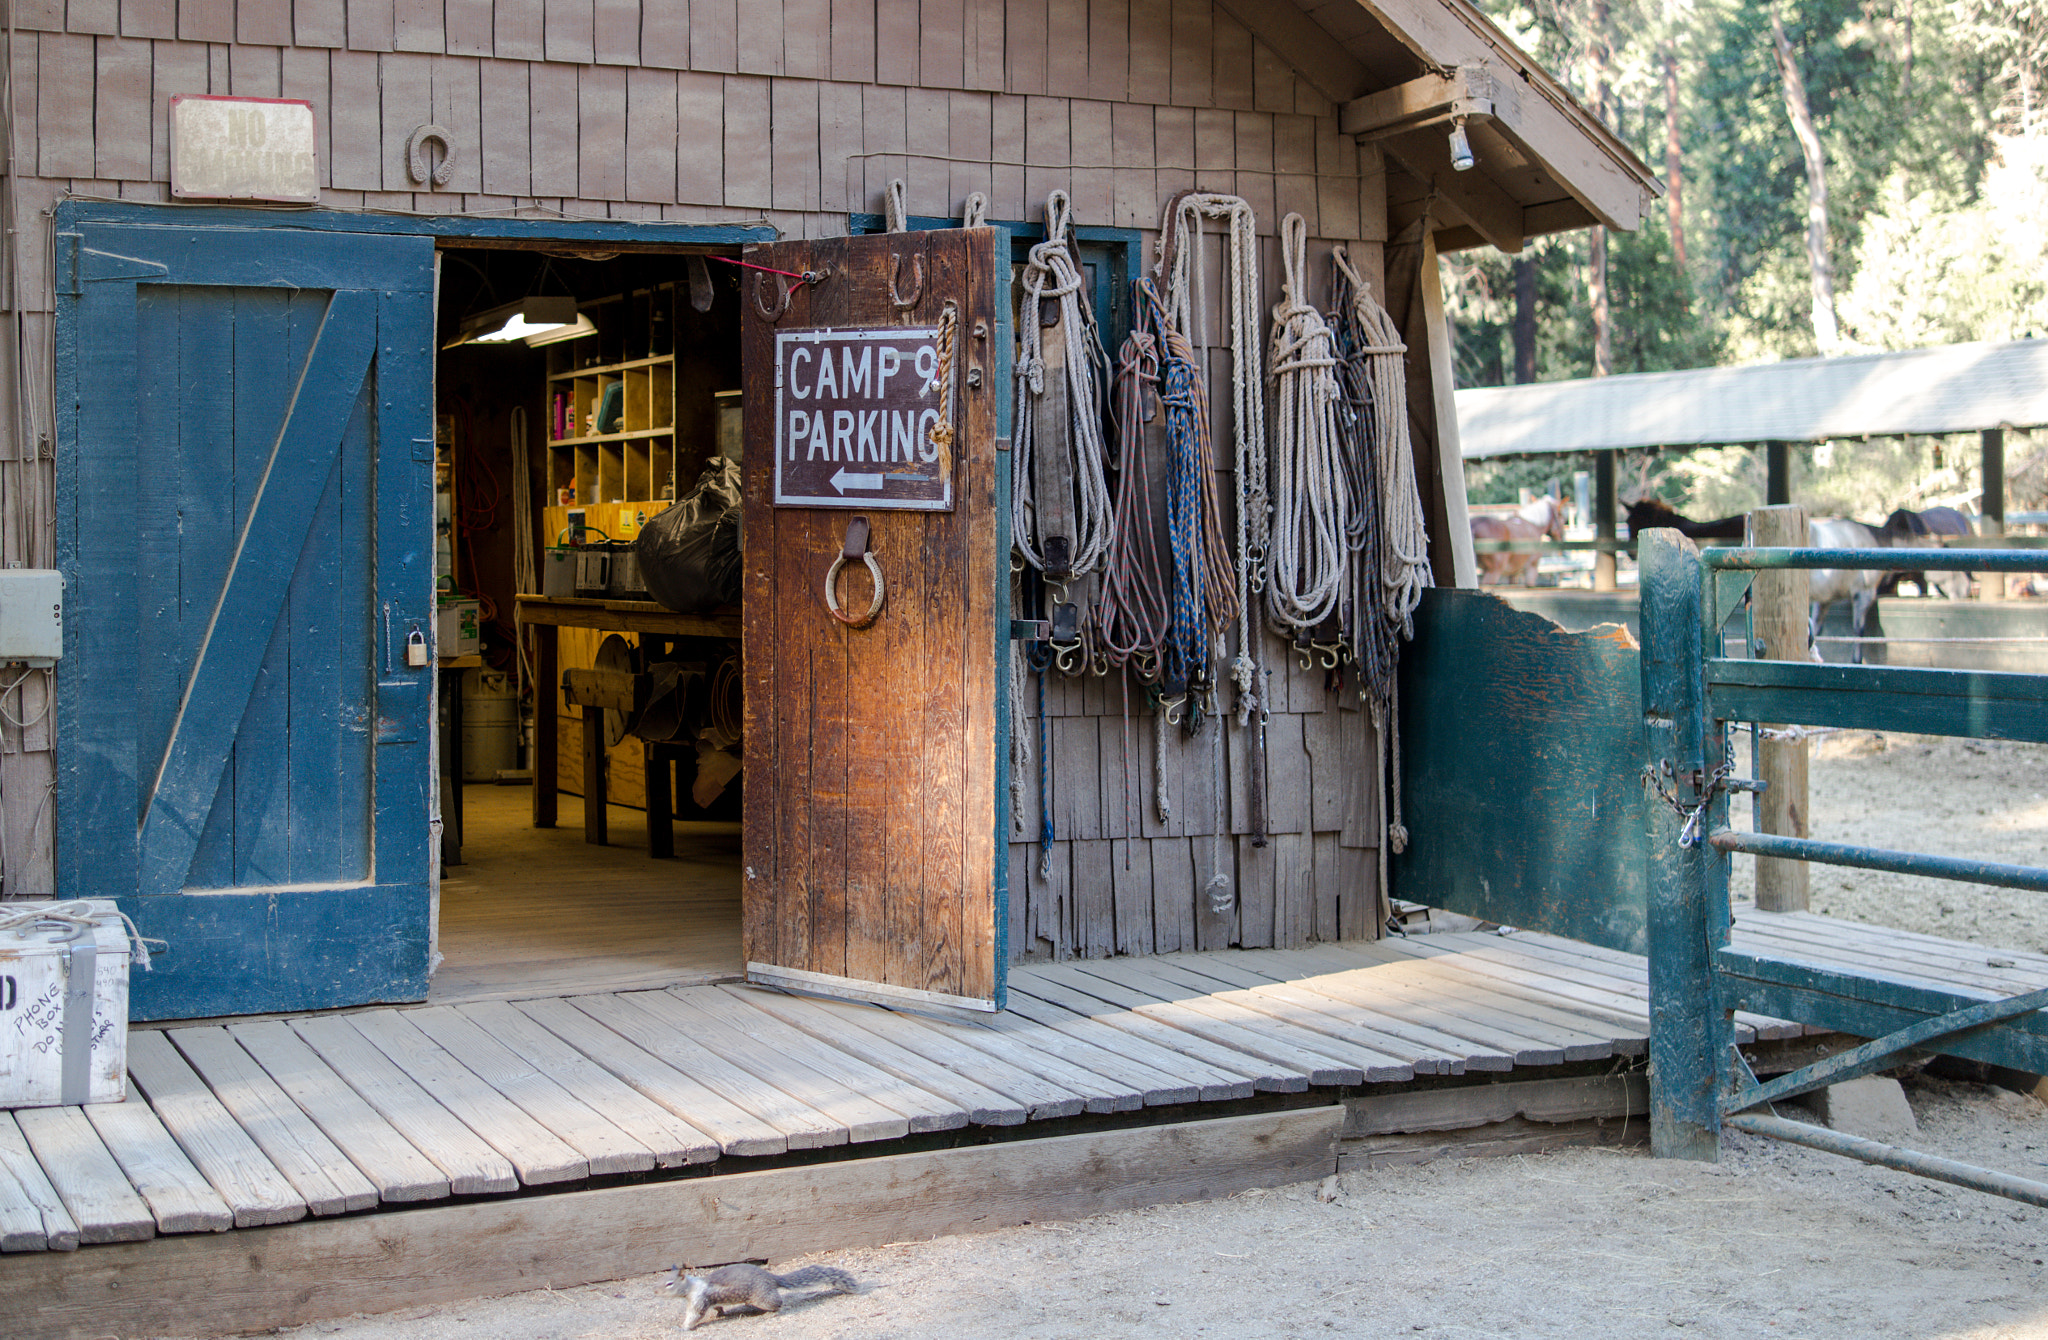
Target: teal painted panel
pixel 1521 783
pixel 247 534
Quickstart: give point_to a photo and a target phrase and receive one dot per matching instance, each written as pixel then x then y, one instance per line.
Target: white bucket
pixel 490 724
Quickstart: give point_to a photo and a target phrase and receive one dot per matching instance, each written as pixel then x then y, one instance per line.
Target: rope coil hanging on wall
pixel 1059 499
pixel 1312 500
pixel 1387 534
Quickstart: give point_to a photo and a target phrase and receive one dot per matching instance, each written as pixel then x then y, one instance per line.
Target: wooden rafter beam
pixel 1470 91
pixel 1471 198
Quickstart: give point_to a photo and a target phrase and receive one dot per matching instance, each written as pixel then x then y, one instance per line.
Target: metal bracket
pixel 1030 630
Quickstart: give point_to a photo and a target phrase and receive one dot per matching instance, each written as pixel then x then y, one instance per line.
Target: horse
pixel 1858 586
pixel 1538 520
pixel 1922 530
pixel 1651 514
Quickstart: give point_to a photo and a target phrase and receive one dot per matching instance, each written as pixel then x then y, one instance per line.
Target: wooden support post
pixel 1605 506
pixel 545 690
pixel 1779 606
pixel 661 832
pixel 1689 1031
pixel 594 830
pixel 1991 585
pixel 1778 475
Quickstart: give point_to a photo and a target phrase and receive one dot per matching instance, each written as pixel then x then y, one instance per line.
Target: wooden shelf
pixel 647 362
pixel 594 440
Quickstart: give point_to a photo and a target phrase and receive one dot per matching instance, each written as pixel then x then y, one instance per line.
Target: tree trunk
pixel 1826 333
pixel 1525 320
pixel 1596 272
pixel 1674 163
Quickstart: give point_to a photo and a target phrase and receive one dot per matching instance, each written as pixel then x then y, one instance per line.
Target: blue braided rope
pixel 1185 648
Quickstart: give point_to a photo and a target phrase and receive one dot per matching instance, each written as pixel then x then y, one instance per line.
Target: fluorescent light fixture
pixel 535 320
pixel 576 330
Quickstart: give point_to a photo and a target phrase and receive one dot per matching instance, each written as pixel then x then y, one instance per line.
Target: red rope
pixel 807 276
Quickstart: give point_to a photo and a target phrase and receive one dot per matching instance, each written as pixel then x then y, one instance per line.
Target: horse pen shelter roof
pixel 1957 388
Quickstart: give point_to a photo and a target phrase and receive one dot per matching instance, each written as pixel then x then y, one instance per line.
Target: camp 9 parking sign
pixel 854 414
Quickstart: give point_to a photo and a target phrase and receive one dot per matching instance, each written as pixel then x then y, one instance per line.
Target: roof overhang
pixel 1403 71
pixel 1956 388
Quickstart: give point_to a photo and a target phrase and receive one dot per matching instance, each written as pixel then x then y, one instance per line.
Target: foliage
pixel 1931 114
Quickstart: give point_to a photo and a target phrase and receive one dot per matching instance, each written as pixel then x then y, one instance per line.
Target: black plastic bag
pixel 690 553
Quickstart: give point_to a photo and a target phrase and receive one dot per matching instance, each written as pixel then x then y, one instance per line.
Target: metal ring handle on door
pixel 856 546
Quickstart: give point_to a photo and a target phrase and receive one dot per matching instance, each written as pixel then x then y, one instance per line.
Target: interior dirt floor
pixel 540 912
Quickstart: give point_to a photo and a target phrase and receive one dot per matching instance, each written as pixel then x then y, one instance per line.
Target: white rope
pixel 894 207
pixel 974 214
pixel 78 917
pixel 1186 298
pixel 1020 744
pixel 1404 545
pixel 1050 274
pixel 1306 568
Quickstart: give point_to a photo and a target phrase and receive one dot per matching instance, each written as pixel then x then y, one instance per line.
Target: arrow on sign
pixel 845 479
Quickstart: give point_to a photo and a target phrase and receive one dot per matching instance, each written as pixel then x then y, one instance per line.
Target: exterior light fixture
pixel 1461 148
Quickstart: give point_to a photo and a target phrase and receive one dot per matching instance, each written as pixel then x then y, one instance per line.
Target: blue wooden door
pixel 245 510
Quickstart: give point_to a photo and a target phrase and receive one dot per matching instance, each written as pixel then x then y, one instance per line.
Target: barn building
pixel 257 253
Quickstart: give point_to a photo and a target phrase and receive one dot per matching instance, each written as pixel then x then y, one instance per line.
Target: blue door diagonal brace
pixel 1878 1053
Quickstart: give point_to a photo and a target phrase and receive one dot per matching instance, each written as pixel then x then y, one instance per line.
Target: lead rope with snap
pixel 1187 298
pixel 1062 440
pixel 1395 540
pixel 1311 504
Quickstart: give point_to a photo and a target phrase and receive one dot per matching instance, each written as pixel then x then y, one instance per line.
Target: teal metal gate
pixel 1699 1082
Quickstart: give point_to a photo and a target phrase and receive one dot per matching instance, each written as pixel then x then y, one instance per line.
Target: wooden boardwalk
pixel 265 1122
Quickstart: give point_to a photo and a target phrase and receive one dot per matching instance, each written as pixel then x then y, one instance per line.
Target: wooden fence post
pixel 1780 614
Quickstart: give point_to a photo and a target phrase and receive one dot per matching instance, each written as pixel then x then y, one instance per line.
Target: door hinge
pixel 67 264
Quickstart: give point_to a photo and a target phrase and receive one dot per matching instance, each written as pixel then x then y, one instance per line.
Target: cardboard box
pixel 63 1005
pixel 457 633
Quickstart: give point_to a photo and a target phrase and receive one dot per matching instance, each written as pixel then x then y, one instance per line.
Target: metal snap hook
pixel 856 546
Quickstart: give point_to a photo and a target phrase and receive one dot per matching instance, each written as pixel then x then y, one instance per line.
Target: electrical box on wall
pixel 31 616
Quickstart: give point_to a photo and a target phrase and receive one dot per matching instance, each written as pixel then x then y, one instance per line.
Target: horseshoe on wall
pixel 763 283
pixel 416 155
pixel 896 294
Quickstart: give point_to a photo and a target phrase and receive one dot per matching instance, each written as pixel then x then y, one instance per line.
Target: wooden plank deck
pixel 272 1121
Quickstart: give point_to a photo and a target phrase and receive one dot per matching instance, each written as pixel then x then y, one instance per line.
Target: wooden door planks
pixel 95 1192
pixel 734 1007
pixel 254 1190
pixel 178 1194
pixel 809 1078
pixel 58 1230
pixel 984 1106
pixel 801 1125
pixel 319 1172
pixel 667 1137
pixel 602 1146
pixel 736 1130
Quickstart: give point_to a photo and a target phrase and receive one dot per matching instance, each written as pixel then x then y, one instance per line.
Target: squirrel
pixel 746 1285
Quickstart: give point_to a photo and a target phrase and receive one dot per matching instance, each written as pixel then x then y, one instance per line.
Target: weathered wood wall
pixel 796 113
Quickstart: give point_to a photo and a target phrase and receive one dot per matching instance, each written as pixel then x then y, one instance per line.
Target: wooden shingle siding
pixel 798 112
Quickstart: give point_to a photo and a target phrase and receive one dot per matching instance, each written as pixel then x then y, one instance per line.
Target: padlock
pixel 416 649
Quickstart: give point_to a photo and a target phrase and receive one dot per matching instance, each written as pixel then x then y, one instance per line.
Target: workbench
pixel 545 614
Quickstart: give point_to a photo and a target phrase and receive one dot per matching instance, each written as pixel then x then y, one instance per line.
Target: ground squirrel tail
pixel 815 1276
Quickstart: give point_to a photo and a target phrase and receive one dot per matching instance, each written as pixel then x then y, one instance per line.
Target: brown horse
pixel 1651 514
pixel 1542 519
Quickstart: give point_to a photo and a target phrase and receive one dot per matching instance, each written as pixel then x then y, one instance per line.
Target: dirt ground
pixel 1774 1241
pixel 1980 798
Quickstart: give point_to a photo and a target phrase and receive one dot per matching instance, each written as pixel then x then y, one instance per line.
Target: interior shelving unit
pixel 634 462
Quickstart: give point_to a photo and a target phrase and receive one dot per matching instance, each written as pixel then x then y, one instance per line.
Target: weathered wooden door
pixel 245 475
pixel 874 808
